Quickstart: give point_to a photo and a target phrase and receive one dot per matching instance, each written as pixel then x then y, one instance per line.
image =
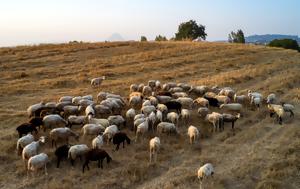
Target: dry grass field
pixel 261 154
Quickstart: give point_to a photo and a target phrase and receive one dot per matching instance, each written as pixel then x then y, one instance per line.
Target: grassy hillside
pixel 261 154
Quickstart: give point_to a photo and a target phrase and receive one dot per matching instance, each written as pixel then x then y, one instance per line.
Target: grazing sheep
pixel 154 145
pixel 137 122
pixel 216 119
pixel 76 99
pixel 62 134
pixel 240 99
pixel 231 118
pixel 148 109
pixel 147 91
pixel 146 103
pixel 166 127
pixel 31 110
pixel 109 132
pixel 151 83
pixel 179 94
pixel 61 152
pixel 173 117
pixel 164 109
pixel 96 82
pixel 186 102
pixel 89 111
pixel 205 171
pixel 36 121
pixel 157 85
pixel 97 142
pixel 139 116
pixel 120 137
pixel 24 141
pixel 202 102
pixel 164 99
pixel 212 101
pixel 176 90
pixel 198 90
pixel 71 110
pixel 152 120
pixel 227 91
pixel 135 101
pixel 32 149
pixel 53 121
pixel 133 88
pixel 76 151
pixel 66 99
pixel 173 105
pixel 193 133
pixel 223 99
pixel 37 162
pixel 76 120
pixel 184 86
pixel 288 108
pixel 271 98
pixel 96 155
pixel 168 86
pixel 102 109
pixel 236 107
pixel 130 114
pixel 159 116
pixel 60 106
pixel 278 110
pixel 153 100
pixel 92 129
pixel 185 115
pixel 26 128
pixel 103 122
pixel 141 87
pixel 164 93
pixel 253 95
pixel 257 101
pixel 116 120
pixel 142 128
pixel 203 111
pixel 210 95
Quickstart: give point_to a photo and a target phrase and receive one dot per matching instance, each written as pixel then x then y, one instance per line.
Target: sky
pixel 54 21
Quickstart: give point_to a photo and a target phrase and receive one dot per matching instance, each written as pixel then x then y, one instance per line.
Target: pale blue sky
pixel 38 21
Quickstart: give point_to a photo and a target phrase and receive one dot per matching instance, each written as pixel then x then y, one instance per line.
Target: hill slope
pixel 261 153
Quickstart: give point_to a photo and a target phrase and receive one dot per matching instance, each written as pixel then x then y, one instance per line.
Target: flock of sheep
pixel 153 108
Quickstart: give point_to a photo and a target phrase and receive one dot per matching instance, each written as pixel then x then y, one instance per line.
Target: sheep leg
pixel 118 145
pixel 191 140
pixel 101 163
pixel 292 113
pixel 280 120
pixel 124 144
pixel 46 173
pixel 98 163
pixel 232 125
pixel 58 161
pixel 72 162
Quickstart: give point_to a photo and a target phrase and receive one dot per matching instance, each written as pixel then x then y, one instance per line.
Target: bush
pixel 160 38
pixel 237 37
pixel 285 43
pixel 190 30
pixel 143 38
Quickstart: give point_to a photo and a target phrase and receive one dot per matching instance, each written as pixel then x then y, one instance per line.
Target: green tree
pixel 143 38
pixel 160 38
pixel 190 30
pixel 236 37
pixel 285 43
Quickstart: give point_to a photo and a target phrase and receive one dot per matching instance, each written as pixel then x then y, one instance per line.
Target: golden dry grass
pixel 261 154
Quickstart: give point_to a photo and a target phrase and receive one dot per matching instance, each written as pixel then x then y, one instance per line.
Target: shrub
pixel 143 38
pixel 285 43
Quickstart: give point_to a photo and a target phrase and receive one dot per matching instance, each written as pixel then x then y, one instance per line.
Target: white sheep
pixel 32 149
pixel 130 114
pixel 166 127
pixel 76 151
pixel 198 90
pixel 71 110
pixel 92 129
pixel 24 141
pixel 152 120
pixel 146 103
pixel 173 117
pixel 142 128
pixel 37 162
pixel 153 100
pixel 133 88
pixel 203 111
pixel 76 99
pixel 103 122
pixel 97 142
pixel 216 119
pixel 278 110
pixel 65 99
pixel 240 99
pixel 271 98
pixel 179 94
pixel 135 101
pixel 147 91
pixel 176 90
pixel 62 134
pixel 184 86
pixel 138 116
pixel 76 120
pixel 227 91
pixel 157 85
pixel 186 102
pixel 163 108
pixel 154 145
pixel 223 99
pixel 257 101
pixel 288 108
pixel 163 99
pixel 116 120
pixel 96 82
pixel 193 133
pixel 148 109
pixel 109 132
pixel 202 102
pixel 89 111
pixel 236 107
pixel 185 116
pixel 102 109
pixel 53 121
pixel 205 171
pixel 159 116
pixel 31 109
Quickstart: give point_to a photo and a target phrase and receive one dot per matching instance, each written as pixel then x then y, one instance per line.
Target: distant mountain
pixel 115 37
pixel 265 39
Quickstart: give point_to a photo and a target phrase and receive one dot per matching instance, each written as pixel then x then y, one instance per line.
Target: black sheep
pixel 174 105
pixel 119 138
pixel 61 152
pixel 96 155
pixel 36 121
pixel 26 128
pixel 212 101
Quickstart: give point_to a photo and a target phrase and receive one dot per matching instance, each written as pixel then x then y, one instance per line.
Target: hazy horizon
pixel 34 22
